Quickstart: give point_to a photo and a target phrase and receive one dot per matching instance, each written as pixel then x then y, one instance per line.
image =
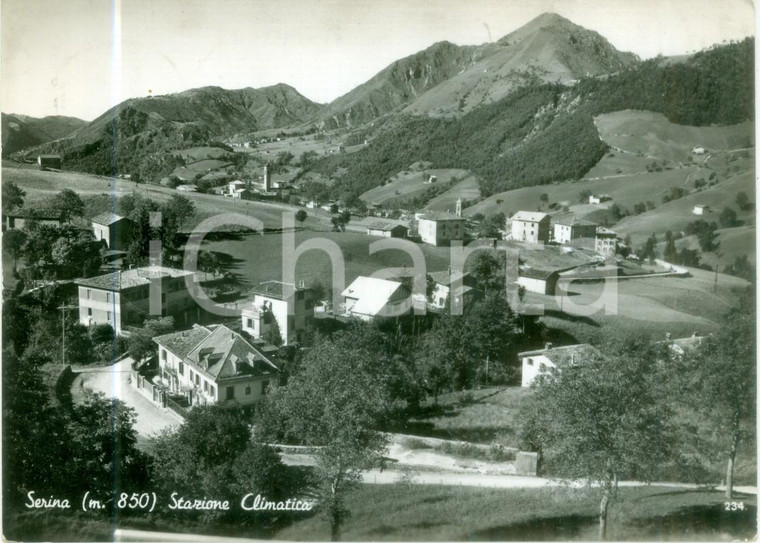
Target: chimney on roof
pixel 548 345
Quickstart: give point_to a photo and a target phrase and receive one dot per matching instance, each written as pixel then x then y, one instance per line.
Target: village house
pixel 538 281
pixel 605 242
pixel 700 209
pixel 19 219
pixel 386 228
pixel 370 298
pixel 187 188
pixel 235 186
pixel 568 229
pixel 123 298
pixel 599 198
pixel 531 227
pixel 214 365
pixel 440 228
pixel 116 231
pixel 542 361
pixel 285 305
pixel 50 161
pixel 453 288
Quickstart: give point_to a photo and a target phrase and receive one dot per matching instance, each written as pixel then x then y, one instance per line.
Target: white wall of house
pixel 532 366
pixel 97 306
pixel 533 285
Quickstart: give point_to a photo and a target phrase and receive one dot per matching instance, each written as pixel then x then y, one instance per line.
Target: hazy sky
pixel 80 57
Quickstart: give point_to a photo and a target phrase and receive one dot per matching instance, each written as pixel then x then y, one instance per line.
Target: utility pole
pixel 63 309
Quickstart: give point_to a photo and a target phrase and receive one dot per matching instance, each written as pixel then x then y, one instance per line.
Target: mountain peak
pixel 545 20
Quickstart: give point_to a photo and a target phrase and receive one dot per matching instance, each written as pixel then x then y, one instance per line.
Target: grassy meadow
pixel 427 513
pixel 652 135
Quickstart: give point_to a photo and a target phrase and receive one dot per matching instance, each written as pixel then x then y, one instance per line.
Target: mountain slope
pixel 448 79
pixel 125 135
pixel 548 49
pixel 400 83
pixel 21 131
pixel 546 133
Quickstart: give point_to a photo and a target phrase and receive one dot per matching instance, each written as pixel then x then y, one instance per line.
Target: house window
pixel 230 393
pixel 163 355
pixel 89 292
pixel 89 312
pixel 197 380
pixel 212 390
pixel 530 361
pixel 108 296
pixel 163 297
pixel 248 391
pixel 205 386
pixel 182 368
pixel 108 315
pixel 264 386
pixel 250 323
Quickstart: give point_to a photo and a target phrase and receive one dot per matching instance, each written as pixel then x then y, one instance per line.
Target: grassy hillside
pixel 440 513
pixel 543 134
pixel 409 183
pixel 20 131
pixel 652 135
pixel 140 134
pixel 677 214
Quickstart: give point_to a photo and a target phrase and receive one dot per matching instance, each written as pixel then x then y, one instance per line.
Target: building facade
pixel 114 229
pixel 606 241
pixel 440 228
pixel 370 298
pixel 214 365
pixel 123 298
pixel 531 227
pixel 291 307
pixel 566 230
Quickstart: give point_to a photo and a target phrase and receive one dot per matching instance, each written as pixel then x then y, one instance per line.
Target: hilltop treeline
pixel 546 133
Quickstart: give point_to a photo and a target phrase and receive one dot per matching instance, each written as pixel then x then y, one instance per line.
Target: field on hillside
pixel 651 134
pixel 615 163
pixel 195 154
pixel 38 184
pixel 733 242
pixel 648 307
pixel 437 513
pixel 410 183
pixel 466 190
pixel 297 146
pixel 626 191
pixel 484 416
pixel 677 214
pixel 259 258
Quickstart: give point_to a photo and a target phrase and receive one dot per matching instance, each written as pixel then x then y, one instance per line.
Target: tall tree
pixel 720 379
pixel 69 203
pixel 12 197
pixel 602 421
pixel 13 244
pixel 337 402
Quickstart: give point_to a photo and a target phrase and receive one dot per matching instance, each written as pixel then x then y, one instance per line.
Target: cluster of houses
pixel 537 228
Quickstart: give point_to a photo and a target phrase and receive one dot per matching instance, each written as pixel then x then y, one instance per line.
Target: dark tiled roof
pixel 441 216
pixel 446 277
pixel 107 218
pixel 383 225
pixel 534 273
pixel 181 343
pixel 273 289
pixel 218 351
pixel 122 280
pixel 570 354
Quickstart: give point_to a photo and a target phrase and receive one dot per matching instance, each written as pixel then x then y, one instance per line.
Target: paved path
pixel 113 381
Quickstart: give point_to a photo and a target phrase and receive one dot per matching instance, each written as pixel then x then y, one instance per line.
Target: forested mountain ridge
pixel 146 129
pixel 545 133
